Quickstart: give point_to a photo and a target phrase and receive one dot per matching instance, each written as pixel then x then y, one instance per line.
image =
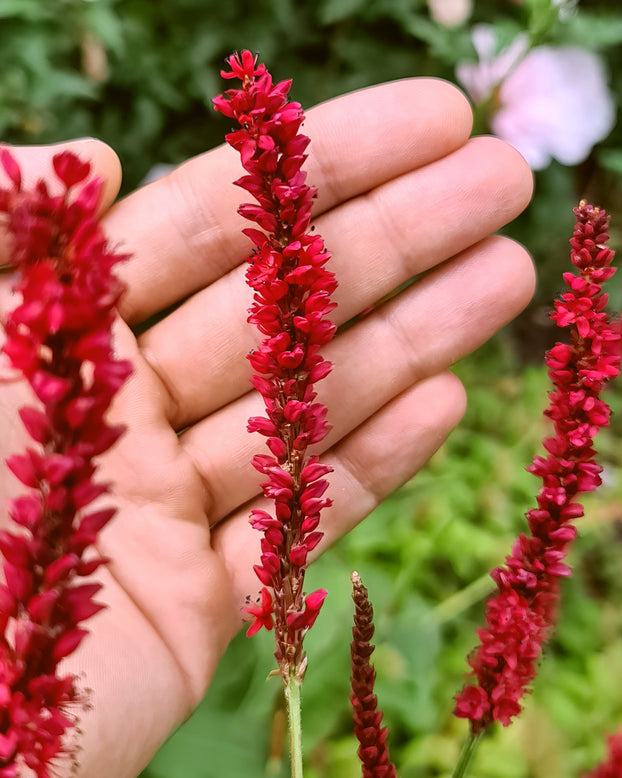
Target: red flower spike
pixel 611 767
pixel 520 617
pixel 373 750
pixel 291 302
pixel 67 290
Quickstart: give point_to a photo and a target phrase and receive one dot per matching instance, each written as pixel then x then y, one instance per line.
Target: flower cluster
pixel 612 766
pixel 520 616
pixel 292 291
pixel 372 736
pixel 59 339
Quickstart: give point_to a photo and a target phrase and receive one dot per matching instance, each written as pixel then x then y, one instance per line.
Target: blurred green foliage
pixel 140 75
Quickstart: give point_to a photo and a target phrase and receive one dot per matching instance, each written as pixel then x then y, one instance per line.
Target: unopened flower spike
pixel 520 617
pixel 372 736
pixel 59 339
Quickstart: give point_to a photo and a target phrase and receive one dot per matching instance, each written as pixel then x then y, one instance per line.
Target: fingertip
pixel 451 386
pixel 526 270
pixel 407 124
pixel 527 176
pixel 406 432
pixel 439 116
pixel 515 180
pixel 517 270
pixel 444 399
pixel 105 163
pixel 458 109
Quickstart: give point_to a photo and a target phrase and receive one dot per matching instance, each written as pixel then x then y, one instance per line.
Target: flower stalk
pixel 294 718
pixel 466 755
pixel 58 337
pixel 291 303
pixel 520 617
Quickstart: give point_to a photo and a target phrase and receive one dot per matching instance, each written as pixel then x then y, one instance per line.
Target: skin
pixel 403 190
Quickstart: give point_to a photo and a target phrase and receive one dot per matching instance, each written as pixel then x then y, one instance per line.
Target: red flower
pixel 372 736
pixel 59 337
pixel 612 766
pixel 291 303
pixel 521 615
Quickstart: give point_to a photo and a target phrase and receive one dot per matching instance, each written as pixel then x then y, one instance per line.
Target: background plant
pixel 141 75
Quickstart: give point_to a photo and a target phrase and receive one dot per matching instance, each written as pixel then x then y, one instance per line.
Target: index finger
pixel 183 230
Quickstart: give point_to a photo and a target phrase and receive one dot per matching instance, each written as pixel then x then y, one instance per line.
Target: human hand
pixel 402 191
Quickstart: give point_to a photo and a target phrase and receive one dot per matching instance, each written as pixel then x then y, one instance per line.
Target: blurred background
pixel 545 75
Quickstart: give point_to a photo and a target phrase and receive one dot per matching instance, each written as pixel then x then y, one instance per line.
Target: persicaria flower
pixel 611 767
pixel 520 616
pixel 59 338
pixel 482 78
pixel 291 303
pixel 372 736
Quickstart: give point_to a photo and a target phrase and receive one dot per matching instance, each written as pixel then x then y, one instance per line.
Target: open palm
pixel 402 192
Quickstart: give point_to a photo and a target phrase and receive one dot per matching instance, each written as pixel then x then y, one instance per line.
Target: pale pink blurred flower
pixel 548 103
pixel 555 104
pixel 482 78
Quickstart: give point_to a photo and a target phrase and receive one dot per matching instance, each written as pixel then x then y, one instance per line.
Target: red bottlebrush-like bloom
pixel 372 736
pixel 612 766
pixel 59 338
pixel 291 302
pixel 520 616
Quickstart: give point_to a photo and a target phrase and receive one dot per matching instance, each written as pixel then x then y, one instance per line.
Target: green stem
pixel 464 598
pixel 292 695
pixel 468 749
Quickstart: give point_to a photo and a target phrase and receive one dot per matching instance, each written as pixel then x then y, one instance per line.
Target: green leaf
pixel 105 25
pixel 405 661
pixel 591 30
pixel 65 83
pixel 229 732
pixel 611 159
pixel 214 743
pixel 30 10
pixel 333 11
